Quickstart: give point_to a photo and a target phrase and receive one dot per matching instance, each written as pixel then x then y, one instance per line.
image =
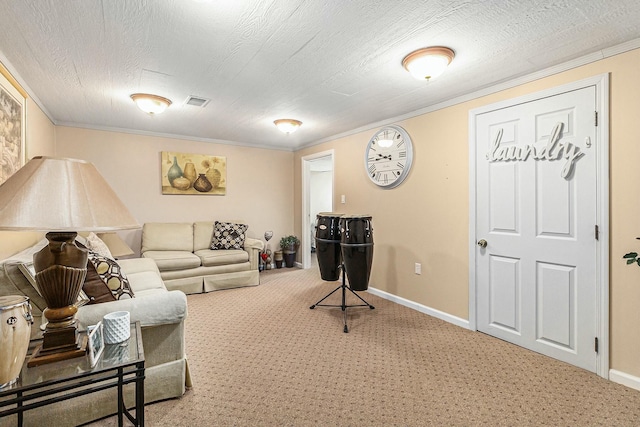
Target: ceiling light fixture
pixel 151 104
pixel 287 125
pixel 429 62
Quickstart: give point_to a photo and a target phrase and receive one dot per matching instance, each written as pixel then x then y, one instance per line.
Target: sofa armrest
pixel 157 309
pixel 253 247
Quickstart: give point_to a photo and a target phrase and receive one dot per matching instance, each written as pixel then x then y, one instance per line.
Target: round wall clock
pixel 388 156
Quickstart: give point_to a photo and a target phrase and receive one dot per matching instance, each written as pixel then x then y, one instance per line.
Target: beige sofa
pixel 186 262
pixel 161 314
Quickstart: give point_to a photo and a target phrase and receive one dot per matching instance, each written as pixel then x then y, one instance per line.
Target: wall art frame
pixel 193 174
pixel 13 115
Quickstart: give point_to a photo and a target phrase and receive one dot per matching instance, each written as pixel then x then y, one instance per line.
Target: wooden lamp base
pixel 44 354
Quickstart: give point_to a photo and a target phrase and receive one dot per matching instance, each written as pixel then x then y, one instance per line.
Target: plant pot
pixel 289 258
pixel 278 258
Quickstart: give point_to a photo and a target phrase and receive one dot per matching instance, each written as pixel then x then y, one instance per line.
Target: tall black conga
pixel 357 249
pixel 328 244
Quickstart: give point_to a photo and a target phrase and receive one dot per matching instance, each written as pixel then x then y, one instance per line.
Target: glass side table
pixel 119 364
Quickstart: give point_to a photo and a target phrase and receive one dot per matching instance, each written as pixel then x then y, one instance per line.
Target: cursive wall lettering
pixel 554 150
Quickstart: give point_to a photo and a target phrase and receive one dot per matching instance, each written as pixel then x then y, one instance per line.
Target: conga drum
pixel 357 249
pixel 328 245
pixel 15 331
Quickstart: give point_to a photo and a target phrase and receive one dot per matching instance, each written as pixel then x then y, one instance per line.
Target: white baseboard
pixel 463 323
pixel 624 379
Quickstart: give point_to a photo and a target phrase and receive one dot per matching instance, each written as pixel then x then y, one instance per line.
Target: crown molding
pixel 170 136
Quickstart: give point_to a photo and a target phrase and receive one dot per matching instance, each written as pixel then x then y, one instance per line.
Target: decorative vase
pixel 214 176
pixel 190 172
pixel 277 257
pixel 116 327
pixel 181 183
pixel 174 171
pixel 202 184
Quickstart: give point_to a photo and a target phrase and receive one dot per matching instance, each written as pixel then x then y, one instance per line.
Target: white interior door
pixel 536 208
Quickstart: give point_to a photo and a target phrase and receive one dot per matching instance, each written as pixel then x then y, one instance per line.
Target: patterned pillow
pixel 105 280
pixel 227 235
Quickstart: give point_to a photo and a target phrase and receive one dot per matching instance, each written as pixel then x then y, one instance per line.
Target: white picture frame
pixel 95 343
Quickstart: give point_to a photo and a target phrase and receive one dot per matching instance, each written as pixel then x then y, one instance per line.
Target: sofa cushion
pixel 212 257
pixel 173 260
pixel 167 236
pixel 203 233
pixel 228 235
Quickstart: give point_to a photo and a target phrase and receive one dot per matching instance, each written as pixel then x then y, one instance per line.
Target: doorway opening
pixel 317 196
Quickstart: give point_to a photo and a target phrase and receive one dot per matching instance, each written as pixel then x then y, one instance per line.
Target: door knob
pixel 482 243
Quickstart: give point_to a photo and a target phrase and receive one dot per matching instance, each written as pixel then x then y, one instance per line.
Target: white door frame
pixel 601 82
pixel 305 240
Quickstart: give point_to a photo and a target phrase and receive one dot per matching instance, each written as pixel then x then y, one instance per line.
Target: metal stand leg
pixel 344 305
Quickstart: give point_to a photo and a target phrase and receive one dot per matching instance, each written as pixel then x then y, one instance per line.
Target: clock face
pixel 388 156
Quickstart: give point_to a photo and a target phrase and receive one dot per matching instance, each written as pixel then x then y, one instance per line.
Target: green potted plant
pixel 289 246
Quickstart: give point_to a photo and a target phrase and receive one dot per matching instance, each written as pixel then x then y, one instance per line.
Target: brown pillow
pixel 105 280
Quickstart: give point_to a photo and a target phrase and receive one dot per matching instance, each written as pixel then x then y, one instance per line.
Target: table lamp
pixel 60 197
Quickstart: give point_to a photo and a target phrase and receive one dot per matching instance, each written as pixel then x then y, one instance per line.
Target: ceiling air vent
pixel 197 101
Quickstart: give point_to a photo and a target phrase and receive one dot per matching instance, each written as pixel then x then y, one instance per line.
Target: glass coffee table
pixel 120 364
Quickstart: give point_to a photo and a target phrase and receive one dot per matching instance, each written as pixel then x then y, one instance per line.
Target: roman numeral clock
pixel 388 156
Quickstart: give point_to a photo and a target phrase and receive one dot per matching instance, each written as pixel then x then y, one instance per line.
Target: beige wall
pixel 259 189
pixel 426 218
pixel 39 141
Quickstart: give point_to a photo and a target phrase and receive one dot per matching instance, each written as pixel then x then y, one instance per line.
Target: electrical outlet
pixel 418 268
pixel 343 199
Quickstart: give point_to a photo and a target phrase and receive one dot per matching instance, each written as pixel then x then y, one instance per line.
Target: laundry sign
pixel 554 150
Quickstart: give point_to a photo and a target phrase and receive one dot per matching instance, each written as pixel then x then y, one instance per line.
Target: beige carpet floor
pixel 260 357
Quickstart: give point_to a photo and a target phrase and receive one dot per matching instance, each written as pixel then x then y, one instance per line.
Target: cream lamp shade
pixel 53 194
pixel 428 63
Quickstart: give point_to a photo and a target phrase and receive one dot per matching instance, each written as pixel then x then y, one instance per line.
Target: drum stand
pixel 344 305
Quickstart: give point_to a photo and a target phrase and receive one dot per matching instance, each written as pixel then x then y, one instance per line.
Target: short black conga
pixel 357 249
pixel 328 245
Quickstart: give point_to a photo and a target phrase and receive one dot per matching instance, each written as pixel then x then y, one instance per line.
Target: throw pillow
pixel 95 244
pixel 228 235
pixel 105 280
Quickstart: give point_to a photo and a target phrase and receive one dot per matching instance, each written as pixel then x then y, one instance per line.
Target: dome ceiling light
pixel 287 125
pixel 151 104
pixel 428 63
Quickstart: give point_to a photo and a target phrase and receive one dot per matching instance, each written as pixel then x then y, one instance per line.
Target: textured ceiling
pixel 333 64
